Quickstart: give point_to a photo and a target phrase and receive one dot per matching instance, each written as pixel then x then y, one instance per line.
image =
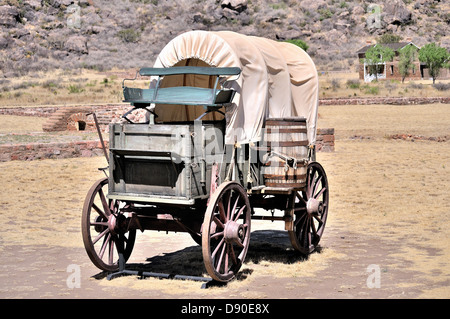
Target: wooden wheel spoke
pixel 300 219
pixel 316 183
pixel 233 255
pixel 239 213
pixel 101 235
pixel 111 252
pixel 320 192
pixel 222 211
pixel 219 263
pixel 318 220
pixel 313 227
pixel 106 208
pixel 217 235
pixel 99 211
pixel 307 233
pixel 98 224
pixel 300 197
pixel 311 182
pixel 241 245
pixel 105 244
pixel 217 248
pixel 234 209
pixel 309 241
pixel 228 206
pixel 225 268
pixel 218 222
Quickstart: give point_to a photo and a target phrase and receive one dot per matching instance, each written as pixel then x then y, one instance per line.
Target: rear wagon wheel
pixel 310 210
pixel 103 230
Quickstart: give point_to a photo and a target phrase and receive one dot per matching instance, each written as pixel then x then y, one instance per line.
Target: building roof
pixel 394 46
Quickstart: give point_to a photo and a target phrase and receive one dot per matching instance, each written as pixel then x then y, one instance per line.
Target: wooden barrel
pixel 286 136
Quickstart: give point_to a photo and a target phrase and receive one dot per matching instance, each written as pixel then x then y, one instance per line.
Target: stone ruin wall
pixel 79 117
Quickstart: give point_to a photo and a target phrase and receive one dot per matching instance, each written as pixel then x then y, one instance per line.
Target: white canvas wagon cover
pixel 278 79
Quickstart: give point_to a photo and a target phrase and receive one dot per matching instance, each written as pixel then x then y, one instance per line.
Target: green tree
pixel 407 56
pixel 376 56
pixel 300 43
pixel 435 57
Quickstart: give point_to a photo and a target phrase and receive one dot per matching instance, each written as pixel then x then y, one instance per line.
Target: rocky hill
pixel 38 35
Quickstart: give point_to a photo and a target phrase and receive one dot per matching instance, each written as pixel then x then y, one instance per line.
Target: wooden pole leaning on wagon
pixel 105 152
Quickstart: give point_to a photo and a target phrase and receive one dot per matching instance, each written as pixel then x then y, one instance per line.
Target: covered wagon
pixel 231 133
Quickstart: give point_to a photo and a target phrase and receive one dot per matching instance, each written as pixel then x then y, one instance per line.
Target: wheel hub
pixel 234 232
pixel 117 224
pixel 314 206
pixel 112 224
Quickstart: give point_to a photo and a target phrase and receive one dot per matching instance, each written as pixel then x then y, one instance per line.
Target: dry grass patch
pixel 392 189
pixel 41 201
pixel 85 86
pixel 21 124
pixel 378 121
pixel 348 85
pixel 28 129
pixel 62 87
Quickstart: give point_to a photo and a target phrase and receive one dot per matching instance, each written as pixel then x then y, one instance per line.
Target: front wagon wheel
pixel 310 210
pixel 226 231
pixel 104 230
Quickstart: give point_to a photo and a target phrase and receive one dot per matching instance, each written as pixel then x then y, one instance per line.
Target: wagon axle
pixel 118 224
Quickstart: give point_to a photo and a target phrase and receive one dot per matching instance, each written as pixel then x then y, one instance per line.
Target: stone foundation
pixel 80 117
pixel 36 151
pixel 325 140
pixel 385 100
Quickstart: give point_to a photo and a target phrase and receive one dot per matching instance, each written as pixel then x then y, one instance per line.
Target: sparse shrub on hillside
pixel 23 85
pixel 75 88
pixel 442 86
pixel 51 84
pixel 325 13
pixel 353 84
pixel 389 38
pixel 373 90
pixel 390 85
pixel 154 2
pixel 335 84
pixel 129 35
pixel 416 86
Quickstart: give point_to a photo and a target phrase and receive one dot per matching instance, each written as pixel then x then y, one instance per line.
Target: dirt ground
pixel 387 234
